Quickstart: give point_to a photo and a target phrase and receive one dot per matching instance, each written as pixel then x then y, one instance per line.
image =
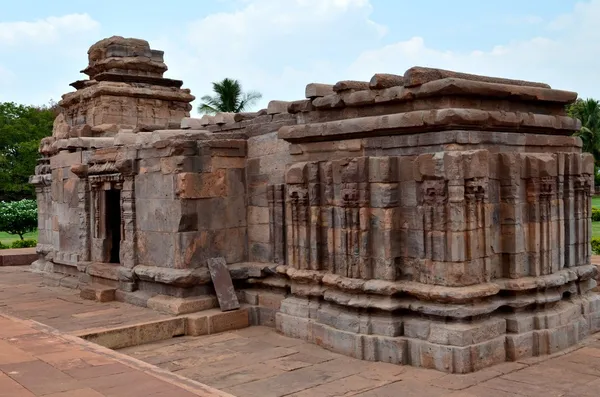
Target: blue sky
pixel 278 46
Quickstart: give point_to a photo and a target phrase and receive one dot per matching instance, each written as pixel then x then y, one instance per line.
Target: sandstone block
pixel 347 85
pixel 227 321
pixel 202 185
pixel 98 293
pixel 177 306
pixel 315 90
pixel 196 324
pixel 275 107
pixel 419 75
pixel 383 80
pixel 224 118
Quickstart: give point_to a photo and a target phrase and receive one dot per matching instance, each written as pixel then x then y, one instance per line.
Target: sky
pixel 276 47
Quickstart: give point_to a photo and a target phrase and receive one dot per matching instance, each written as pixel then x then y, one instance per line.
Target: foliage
pixel 588 112
pixel 18 217
pixel 596 245
pixel 21 129
pixel 228 97
pixel 595 214
pixel 3 247
pixel 23 244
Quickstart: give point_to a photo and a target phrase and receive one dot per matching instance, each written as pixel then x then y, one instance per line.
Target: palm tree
pixel 228 97
pixel 588 112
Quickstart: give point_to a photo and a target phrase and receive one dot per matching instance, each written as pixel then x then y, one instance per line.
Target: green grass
pixel 7 239
pixel 596 225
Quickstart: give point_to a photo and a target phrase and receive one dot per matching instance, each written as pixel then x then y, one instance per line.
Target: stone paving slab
pixel 23 295
pixel 258 362
pixel 36 360
pixel 255 361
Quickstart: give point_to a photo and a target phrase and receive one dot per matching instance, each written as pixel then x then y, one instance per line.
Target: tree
pixel 18 217
pixel 588 112
pixel 228 97
pixel 21 129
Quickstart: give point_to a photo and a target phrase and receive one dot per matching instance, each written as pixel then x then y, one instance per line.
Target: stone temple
pixel 434 219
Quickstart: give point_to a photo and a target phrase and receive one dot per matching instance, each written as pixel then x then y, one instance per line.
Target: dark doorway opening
pixel 113 223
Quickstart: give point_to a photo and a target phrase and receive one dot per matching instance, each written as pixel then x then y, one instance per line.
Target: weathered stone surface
pixel 221 279
pixel 224 118
pixel 275 107
pixel 419 75
pixel 191 123
pixel 178 277
pixel 436 219
pixel 315 90
pixel 347 85
pixel 203 185
pixel 382 80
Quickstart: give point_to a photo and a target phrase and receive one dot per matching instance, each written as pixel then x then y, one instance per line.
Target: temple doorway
pixel 113 223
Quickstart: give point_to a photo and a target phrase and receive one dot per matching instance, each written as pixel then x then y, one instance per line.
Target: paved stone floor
pixel 36 360
pixel 23 295
pixel 258 362
pixel 252 362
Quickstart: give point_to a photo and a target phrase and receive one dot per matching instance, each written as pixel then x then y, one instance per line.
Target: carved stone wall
pixel 436 219
pixel 425 227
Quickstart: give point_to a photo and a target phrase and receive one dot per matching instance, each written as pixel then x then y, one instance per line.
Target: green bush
pixel 23 244
pixel 596 245
pixel 595 214
pixel 18 217
pixel 2 246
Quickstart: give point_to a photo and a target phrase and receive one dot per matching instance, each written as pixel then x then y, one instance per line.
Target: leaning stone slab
pixel 221 278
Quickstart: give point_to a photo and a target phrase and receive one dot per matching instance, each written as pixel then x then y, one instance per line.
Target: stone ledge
pixel 133 335
pixel 202 323
pixel 99 293
pixel 177 306
pixel 429 120
pixel 214 321
pixel 439 294
pixel 18 257
pixel 451 347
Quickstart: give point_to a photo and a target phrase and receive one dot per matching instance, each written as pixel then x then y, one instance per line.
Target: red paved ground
pixel 37 361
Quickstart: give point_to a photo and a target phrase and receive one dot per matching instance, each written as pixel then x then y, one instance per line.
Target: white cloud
pixel 58 43
pixel 45 31
pixel 273 46
pixel 277 47
pixel 566 60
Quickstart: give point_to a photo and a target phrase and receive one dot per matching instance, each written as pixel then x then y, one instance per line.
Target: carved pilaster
pixel 276 202
pixel 83 193
pixel 434 195
pixel 330 219
pixel 128 253
pixel 355 227
pixel 297 202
